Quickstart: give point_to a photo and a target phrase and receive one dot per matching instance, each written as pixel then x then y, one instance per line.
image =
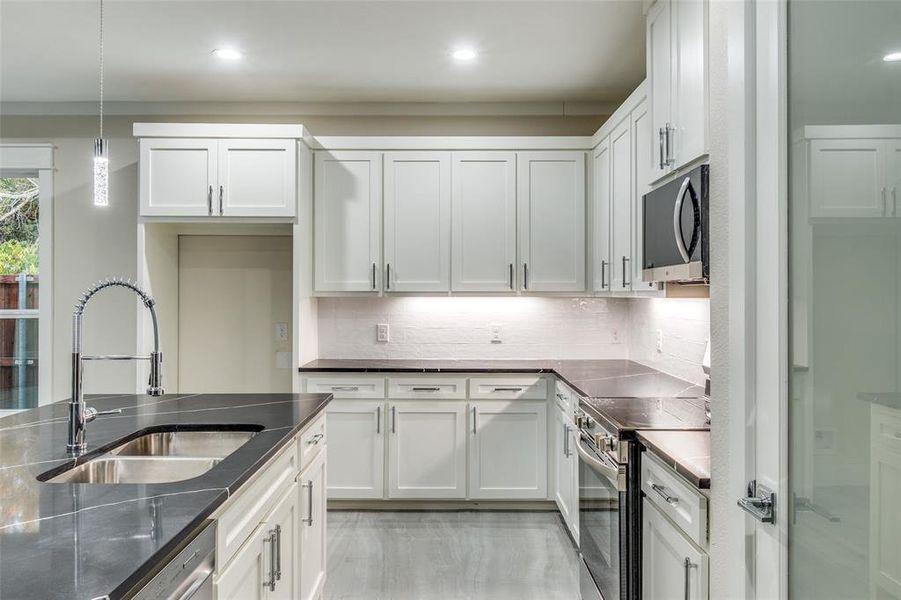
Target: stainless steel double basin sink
pixel 157 457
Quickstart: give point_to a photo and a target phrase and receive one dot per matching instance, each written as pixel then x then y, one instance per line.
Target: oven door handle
pixel 598 466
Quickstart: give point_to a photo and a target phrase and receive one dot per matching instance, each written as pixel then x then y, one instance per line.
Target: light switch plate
pixel 659 340
pixel 282 360
pixel 382 332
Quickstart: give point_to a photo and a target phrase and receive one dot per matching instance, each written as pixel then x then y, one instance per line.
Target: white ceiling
pixel 322 51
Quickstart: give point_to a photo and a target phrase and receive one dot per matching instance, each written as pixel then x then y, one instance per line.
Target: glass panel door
pixel 845 299
pixel 19 280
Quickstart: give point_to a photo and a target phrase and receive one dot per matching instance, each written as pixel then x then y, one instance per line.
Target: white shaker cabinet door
pixel 178 177
pixel 642 150
pixel 243 577
pixel 417 221
pixel 621 207
pixel 427 449
pixel 660 82
pixel 356 440
pixel 347 206
pixel 508 449
pixel 672 568
pixel 893 175
pixel 312 509
pixel 484 222
pixel 283 525
pixel 257 178
pixel 566 470
pixel 847 178
pixel 689 113
pixel 601 212
pixel 551 201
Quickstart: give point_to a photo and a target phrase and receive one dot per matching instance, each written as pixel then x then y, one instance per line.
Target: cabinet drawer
pixel 253 502
pixel 427 387
pixel 508 388
pixel 886 428
pixel 346 387
pixel 675 498
pixel 311 441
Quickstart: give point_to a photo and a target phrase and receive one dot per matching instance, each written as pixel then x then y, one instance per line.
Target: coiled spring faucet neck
pixel 79 414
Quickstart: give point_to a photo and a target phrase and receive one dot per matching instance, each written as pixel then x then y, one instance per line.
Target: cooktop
pixel 623 415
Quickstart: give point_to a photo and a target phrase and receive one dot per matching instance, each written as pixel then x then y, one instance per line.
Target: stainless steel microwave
pixel 675 229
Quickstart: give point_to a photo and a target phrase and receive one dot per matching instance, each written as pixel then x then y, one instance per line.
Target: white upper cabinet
pixel 484 222
pixel 417 221
pixel 602 211
pixel 347 207
pixel 182 177
pixel 178 176
pixel 677 73
pixel 257 178
pixel 642 147
pixel 551 200
pixel 893 174
pixel 621 206
pixel 847 178
pixel 508 449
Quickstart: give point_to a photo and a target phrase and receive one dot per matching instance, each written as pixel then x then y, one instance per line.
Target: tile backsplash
pixel 528 327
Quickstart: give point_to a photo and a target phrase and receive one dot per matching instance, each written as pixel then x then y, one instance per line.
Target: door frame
pixel 37 160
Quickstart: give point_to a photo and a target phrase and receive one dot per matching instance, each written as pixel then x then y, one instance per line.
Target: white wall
pixel 685 325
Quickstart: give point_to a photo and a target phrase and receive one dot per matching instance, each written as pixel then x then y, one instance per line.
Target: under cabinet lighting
pixel 227 53
pixel 464 54
pixel 892 57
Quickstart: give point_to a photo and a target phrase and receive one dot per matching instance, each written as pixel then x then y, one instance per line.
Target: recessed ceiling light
pixel 464 54
pixel 227 53
pixel 892 57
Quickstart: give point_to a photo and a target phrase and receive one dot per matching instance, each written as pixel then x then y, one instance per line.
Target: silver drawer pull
pixel 345 388
pixel 664 494
pixel 309 518
pixel 561 397
pixel 315 439
pixel 427 389
pixel 507 389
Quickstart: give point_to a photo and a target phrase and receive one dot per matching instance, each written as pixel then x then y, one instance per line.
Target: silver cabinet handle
pixel 427 389
pixel 209 200
pixel 309 518
pixel 373 276
pixel 884 202
pixel 664 494
pixel 688 567
pixel 378 419
pixel 660 146
pixel 603 274
pixel 221 192
pixel 626 282
pixel 388 276
pixel 566 440
pixel 507 389
pixel 315 439
pixel 393 419
pixel 669 149
pixel 345 388
pixel 475 426
pixel 278 552
pixel 525 276
pixel 511 276
pixel 270 539
pixel 894 203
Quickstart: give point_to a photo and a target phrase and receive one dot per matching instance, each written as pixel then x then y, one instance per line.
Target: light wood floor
pixel 450 556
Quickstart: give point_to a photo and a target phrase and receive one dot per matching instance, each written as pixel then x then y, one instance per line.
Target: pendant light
pixel 101 148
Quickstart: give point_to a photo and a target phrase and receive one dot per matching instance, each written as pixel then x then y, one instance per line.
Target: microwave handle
pixel 677 220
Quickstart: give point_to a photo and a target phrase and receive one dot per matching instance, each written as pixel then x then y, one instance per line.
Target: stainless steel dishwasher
pixel 188 576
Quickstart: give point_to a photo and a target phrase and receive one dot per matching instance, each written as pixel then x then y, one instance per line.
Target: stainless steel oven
pixel 603 524
pixel 675 229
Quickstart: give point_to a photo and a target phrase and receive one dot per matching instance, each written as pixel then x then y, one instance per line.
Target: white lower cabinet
pixel 427 449
pixel 356 434
pixel 312 506
pixel 672 566
pixel 566 471
pixel 283 556
pixel 508 449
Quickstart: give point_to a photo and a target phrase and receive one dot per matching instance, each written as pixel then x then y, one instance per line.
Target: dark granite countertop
pixel 82 541
pixel 591 378
pixel 688 452
pixel 887 399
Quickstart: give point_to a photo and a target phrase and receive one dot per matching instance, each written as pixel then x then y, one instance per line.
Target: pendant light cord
pixel 101 68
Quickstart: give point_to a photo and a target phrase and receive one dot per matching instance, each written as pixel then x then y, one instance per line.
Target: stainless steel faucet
pixel 79 414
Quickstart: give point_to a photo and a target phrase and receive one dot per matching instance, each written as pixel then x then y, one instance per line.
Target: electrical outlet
pixel 281 331
pixel 615 336
pixel 381 332
pixel 494 333
pixel 659 340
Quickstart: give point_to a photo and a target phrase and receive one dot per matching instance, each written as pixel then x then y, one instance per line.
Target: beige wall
pixel 92 243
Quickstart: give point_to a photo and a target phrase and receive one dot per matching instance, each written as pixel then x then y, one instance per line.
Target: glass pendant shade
pixel 101 173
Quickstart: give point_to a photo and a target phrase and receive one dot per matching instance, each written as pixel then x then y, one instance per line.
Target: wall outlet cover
pixel 382 333
pixel 659 340
pixel 614 336
pixel 282 360
pixel 494 333
pixel 281 331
